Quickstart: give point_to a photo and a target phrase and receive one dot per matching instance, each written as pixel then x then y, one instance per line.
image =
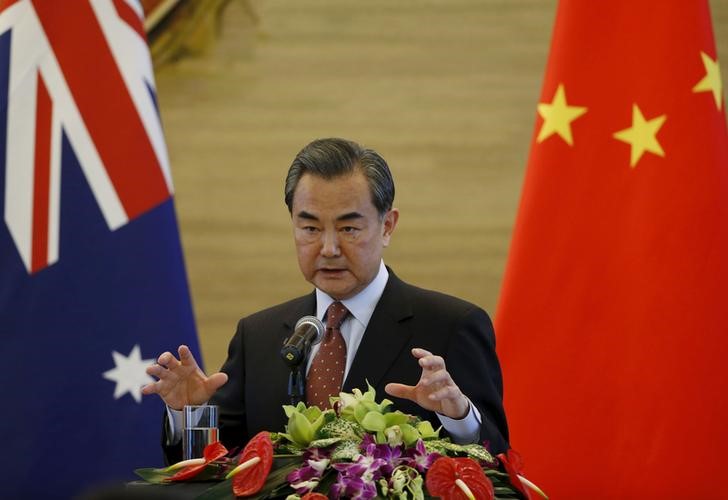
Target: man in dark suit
pixel 435 354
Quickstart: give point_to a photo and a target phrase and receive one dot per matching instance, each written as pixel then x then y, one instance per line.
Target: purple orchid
pixel 367 443
pixel 318 458
pixel 353 487
pixel 391 455
pixel 396 469
pixel 366 467
pixel 306 478
pixel 419 458
pixel 358 479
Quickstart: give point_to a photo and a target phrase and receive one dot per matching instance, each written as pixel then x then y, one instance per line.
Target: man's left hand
pixel 436 390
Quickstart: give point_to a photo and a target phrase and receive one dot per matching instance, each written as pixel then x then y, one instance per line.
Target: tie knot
pixel 335 315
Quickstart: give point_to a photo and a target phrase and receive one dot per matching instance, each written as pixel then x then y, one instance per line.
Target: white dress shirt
pixel 361 307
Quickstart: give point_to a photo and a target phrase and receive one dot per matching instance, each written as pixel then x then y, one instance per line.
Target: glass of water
pixel 200 429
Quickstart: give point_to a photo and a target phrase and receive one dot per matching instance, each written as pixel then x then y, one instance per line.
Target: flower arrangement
pixel 361 449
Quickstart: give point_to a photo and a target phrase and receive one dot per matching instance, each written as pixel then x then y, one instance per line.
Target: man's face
pixel 338 232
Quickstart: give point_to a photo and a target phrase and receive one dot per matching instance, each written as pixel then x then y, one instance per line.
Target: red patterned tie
pixel 326 374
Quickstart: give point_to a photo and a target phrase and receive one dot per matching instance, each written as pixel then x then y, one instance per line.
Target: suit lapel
pixel 385 337
pixel 304 307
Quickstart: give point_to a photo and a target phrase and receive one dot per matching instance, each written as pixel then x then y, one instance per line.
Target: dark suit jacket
pixel 405 317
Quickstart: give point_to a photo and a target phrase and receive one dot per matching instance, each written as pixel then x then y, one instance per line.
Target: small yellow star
pixel 642 135
pixel 711 82
pixel 557 117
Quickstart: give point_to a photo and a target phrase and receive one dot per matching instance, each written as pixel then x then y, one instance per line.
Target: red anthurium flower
pixel 213 451
pixel 314 496
pixel 513 464
pixel 458 479
pixel 254 465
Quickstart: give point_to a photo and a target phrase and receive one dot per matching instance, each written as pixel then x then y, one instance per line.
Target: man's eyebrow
pixel 347 216
pixel 350 216
pixel 305 215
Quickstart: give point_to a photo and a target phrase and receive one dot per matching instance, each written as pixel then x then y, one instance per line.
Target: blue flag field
pixel 92 278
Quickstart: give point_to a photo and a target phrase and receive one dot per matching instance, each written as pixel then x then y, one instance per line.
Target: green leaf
pixel 212 471
pixel 155 476
pixel 289 448
pixel 323 419
pixel 341 428
pixel 221 491
pixel 276 481
pixel 276 484
pixel 346 450
pixel 496 475
pixel 445 447
pixel 504 494
pixel 436 446
pixel 327 480
pixel 479 452
pixel 323 443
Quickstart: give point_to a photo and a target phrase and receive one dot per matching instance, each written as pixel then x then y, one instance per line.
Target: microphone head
pixel 314 322
pixel 307 332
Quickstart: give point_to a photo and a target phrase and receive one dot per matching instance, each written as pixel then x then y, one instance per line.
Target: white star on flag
pixel 130 373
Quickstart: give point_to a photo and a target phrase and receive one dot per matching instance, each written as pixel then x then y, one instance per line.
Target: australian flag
pixel 92 280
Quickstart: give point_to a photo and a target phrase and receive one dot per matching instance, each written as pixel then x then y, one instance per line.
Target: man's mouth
pixel 331 271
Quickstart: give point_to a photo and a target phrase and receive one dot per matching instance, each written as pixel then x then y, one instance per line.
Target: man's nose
pixel 329 244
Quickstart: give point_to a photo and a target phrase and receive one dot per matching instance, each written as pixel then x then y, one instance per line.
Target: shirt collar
pixel 361 305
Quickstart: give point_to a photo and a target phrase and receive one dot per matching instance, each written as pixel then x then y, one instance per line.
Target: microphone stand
pixel 296 383
pixel 296 358
pixel 297 377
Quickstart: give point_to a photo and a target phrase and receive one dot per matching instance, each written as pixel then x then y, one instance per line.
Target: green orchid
pixel 391 427
pixel 356 405
pixel 391 435
pixel 405 483
pixel 304 423
pixel 424 427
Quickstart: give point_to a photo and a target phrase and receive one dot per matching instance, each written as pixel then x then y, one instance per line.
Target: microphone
pixel 308 331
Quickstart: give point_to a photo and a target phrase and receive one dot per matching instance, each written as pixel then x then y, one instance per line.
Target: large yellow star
pixel 642 135
pixel 711 82
pixel 557 117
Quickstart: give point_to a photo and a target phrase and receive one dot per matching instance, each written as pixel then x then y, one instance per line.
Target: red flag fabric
pixel 613 317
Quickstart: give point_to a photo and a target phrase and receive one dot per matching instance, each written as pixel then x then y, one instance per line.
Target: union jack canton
pixel 79 69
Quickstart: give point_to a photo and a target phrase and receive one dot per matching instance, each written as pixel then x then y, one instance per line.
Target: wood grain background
pixel 445 90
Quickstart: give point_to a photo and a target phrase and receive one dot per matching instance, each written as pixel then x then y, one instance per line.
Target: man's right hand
pixel 180 381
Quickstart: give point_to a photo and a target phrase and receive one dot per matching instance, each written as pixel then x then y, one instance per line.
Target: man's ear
pixel 388 225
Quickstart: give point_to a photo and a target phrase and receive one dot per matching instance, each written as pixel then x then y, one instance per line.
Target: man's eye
pixel 349 229
pixel 310 229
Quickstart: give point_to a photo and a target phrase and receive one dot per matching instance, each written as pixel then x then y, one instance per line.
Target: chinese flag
pixel 613 318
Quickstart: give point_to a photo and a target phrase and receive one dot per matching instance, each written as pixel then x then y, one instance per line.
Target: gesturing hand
pixel 436 390
pixel 180 381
